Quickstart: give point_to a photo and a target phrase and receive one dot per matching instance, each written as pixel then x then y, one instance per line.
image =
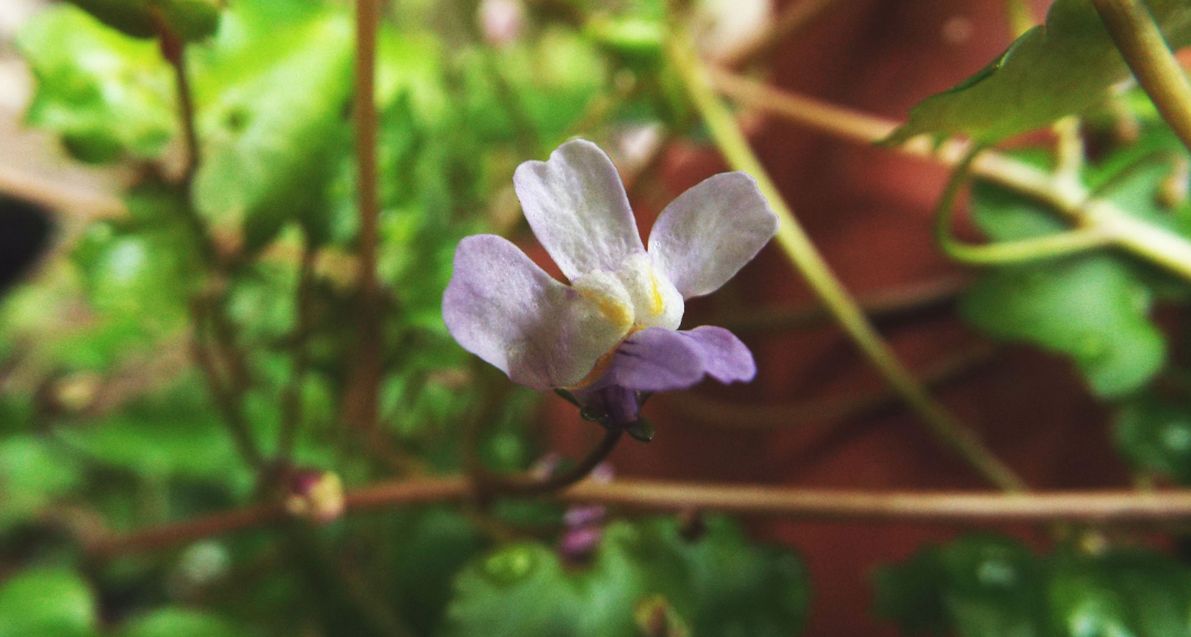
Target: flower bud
pixel 315 495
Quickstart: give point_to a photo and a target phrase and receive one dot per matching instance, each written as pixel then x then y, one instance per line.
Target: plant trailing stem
pixel 361 399
pixel 962 508
pixel 1140 42
pixel 802 253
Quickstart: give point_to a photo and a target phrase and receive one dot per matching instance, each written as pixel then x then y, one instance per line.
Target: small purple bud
pixel 577 545
pixel 588 515
pixel 315 495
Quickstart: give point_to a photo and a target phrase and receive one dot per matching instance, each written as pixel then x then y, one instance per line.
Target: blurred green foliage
pixel 989 585
pixel 106 425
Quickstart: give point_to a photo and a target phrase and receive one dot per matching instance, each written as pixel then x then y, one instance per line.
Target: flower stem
pixel 361 399
pixel 802 253
pixel 1140 42
pixel 488 483
pixel 1101 507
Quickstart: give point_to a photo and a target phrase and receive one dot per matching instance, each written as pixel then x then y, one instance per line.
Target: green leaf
pixel 31 477
pixel 46 602
pixel 992 586
pixel 1091 309
pixel 1155 435
pixel 177 622
pixel 1053 70
pixel 106 95
pixel 268 139
pixel 188 19
pixel 719 585
pixel 1128 593
pixel 985 586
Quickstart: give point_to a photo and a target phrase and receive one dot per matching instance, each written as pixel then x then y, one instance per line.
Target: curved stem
pixel 488 483
pixel 802 253
pixel 1101 507
pixel 1032 249
pixel 1140 42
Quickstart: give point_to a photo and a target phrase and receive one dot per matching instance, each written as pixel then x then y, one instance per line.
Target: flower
pixel 611 336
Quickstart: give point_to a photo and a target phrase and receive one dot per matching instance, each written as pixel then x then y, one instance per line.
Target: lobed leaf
pixel 1061 67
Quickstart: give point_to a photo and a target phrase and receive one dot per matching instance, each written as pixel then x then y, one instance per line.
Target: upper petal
pixel 503 308
pixel 577 207
pixel 709 232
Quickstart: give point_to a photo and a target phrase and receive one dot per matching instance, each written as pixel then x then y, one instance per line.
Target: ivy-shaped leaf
pixel 1053 70
pixel 992 586
pixel 1092 308
pixel 718 584
pixel 1154 434
pixel 984 586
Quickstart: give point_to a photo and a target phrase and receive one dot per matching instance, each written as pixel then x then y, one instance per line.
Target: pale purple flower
pixel 612 335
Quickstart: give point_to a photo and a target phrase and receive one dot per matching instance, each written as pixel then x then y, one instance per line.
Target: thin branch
pixel 1100 507
pixel 174 51
pixel 807 260
pixel 1141 43
pixel 488 483
pixel 361 400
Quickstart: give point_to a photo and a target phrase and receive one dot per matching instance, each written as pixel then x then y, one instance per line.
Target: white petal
pixel 709 232
pixel 503 308
pixel 577 207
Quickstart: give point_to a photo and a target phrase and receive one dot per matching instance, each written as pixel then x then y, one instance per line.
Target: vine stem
pixel 1066 196
pixel 1101 507
pixel 1140 42
pixel 361 399
pixel 802 253
pixel 1004 252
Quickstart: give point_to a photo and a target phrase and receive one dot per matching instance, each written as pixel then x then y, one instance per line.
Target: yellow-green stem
pixel 1032 249
pixel 1145 51
pixel 805 257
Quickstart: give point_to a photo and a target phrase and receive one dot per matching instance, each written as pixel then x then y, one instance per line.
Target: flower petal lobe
pixel 709 232
pixel 578 209
pixel 503 308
